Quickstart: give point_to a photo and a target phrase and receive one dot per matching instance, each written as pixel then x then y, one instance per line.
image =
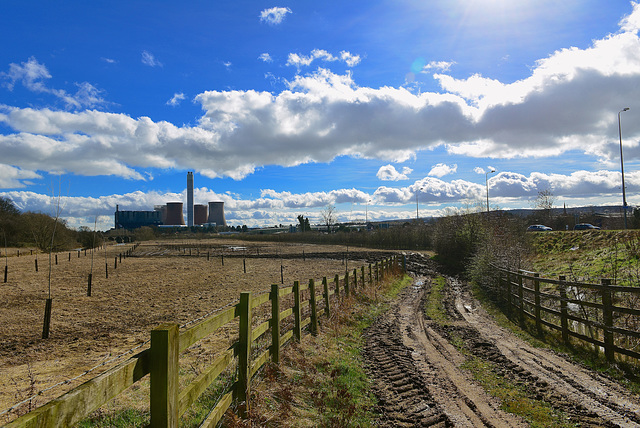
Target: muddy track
pixel 418 379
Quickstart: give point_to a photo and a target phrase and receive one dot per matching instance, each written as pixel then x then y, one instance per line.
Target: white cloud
pixel 438 65
pixel 298 60
pixel 11 177
pixel 149 59
pixel 176 99
pixel 265 57
pixel 274 207
pixel 274 15
pixel 33 75
pixel 389 173
pixel 441 169
pixel 568 103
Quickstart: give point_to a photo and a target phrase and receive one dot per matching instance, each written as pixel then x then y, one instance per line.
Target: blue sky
pixel 281 108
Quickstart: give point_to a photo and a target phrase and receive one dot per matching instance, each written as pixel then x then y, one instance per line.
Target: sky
pixel 385 109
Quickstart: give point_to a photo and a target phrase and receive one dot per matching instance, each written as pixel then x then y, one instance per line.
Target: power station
pixel 172 213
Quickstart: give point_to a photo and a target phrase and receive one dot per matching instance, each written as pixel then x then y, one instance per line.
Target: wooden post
pixel 355 280
pixel 564 321
pixel 509 296
pixel 362 271
pixel 47 319
pixel 6 273
pixel 106 270
pixel 78 253
pixel 377 273
pixel 120 258
pixel 115 263
pixel 275 323
pixel 370 275
pixel 222 259
pixel 346 284
pixel 69 256
pixel 56 259
pixel 164 376
pixel 243 388
pixel 336 279
pixel 327 300
pixel 404 263
pixel 207 256
pixel 36 265
pixel 244 265
pixel 521 299
pixel 536 287
pixel 297 312
pixel 607 318
pixel 314 307
pixel 281 274
pixel 89 285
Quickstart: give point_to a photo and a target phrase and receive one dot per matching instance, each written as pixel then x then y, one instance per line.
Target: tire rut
pixel 418 381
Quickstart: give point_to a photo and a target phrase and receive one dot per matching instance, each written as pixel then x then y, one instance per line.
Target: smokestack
pixel 199 214
pixel 189 198
pixel 174 214
pixel 216 213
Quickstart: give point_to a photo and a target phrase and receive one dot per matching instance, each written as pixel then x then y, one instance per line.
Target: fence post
pixel 362 271
pixel 346 284
pixel 355 280
pixel 377 273
pixel 297 312
pixel 521 299
pixel 89 285
pixel 607 318
pixel 164 376
pixel 327 301
pixel 243 388
pixel 536 287
pixel 370 275
pixel 404 263
pixel 337 281
pixel 564 321
pixel 314 307
pixel 275 323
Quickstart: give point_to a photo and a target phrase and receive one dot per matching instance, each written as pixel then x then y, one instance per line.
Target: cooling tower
pixel 199 214
pixel 189 199
pixel 216 213
pixel 174 214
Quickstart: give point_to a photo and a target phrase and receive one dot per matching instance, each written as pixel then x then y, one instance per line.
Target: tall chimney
pixel 189 198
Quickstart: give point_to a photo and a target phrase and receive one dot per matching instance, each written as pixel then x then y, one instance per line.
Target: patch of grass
pixel 322 381
pixel 118 419
pixel 434 308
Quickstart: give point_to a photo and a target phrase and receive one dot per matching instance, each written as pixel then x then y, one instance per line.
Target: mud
pixel 418 379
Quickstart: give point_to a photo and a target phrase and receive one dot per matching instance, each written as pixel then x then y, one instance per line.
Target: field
pixel 161 282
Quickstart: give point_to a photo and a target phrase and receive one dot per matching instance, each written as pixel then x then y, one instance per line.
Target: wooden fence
pixel 167 402
pixel 602 315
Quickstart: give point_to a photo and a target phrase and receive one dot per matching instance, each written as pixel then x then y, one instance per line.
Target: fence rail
pixel 161 360
pixel 602 315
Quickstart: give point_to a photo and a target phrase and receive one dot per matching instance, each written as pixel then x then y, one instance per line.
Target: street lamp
pixel 366 213
pixel 624 195
pixel 417 214
pixel 486 180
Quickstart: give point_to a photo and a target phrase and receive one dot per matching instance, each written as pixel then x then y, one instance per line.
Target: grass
pixel 322 381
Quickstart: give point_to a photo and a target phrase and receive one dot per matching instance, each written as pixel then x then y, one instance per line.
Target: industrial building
pixel 172 214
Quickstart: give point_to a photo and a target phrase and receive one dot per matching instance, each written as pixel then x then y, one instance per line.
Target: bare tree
pixel 545 201
pixel 328 215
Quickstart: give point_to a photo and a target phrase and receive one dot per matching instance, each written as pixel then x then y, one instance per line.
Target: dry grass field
pixel 159 283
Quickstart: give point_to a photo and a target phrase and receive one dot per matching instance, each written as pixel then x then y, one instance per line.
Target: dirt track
pixel 418 380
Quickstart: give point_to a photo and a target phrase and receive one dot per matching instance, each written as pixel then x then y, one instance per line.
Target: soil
pixel 418 379
pixel 159 282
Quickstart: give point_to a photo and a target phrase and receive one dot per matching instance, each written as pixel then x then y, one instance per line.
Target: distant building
pixel 136 219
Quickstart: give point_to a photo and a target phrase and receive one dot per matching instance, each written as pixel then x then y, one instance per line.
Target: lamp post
pixel 486 181
pixel 366 212
pixel 417 213
pixel 624 194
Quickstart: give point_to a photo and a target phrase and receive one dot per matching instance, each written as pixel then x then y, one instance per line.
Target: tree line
pixel 20 229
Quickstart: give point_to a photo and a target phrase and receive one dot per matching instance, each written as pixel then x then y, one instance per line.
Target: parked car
pixel 585 226
pixel 538 228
